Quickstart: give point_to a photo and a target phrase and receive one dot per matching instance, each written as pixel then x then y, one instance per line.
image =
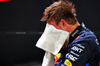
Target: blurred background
pixel 20 28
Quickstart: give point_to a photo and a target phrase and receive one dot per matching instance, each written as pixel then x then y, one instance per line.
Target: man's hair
pixel 60 10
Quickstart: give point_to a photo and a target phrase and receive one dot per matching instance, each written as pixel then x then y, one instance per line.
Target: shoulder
pixel 88 39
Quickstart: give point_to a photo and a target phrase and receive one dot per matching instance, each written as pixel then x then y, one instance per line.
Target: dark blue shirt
pixel 81 50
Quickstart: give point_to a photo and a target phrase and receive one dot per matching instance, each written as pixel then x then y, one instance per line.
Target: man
pixel 82 46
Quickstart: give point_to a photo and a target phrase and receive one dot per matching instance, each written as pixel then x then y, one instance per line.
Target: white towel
pixel 51 41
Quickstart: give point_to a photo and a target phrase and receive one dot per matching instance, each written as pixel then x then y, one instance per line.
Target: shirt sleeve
pixel 76 54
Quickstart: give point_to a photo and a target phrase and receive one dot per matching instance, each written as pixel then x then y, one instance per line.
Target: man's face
pixel 62 25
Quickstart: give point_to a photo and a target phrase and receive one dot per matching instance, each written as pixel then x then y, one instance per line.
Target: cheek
pixel 60 28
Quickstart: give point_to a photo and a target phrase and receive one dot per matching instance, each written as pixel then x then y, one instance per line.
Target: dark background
pixel 20 27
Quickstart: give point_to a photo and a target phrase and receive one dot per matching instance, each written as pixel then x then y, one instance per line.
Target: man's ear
pixel 64 23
